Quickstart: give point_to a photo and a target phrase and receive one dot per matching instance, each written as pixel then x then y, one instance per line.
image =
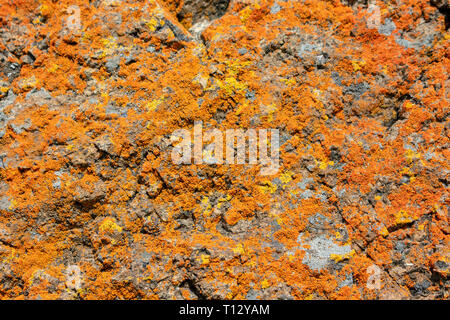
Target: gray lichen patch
pixel 319 251
pixel 5 204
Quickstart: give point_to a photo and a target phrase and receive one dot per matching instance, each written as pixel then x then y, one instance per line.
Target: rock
pixel 104 144
pixel 112 64
pixel 441 4
pixel 5 204
pixel 88 197
pixel 84 156
pixel 91 119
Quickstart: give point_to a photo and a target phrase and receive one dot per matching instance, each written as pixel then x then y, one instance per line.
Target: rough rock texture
pixel 91 205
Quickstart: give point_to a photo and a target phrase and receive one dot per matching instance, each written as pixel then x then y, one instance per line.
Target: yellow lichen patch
pixel 109 225
pixel 289 82
pixel 358 65
pixel 152 24
pixel 325 164
pixel 286 177
pixel 384 232
pixel 53 68
pixel 152 105
pixel 412 155
pixel 3 91
pixel 231 85
pixel 205 259
pixel 409 105
pixel 245 14
pixel 241 108
pixel 109 46
pixel 207 207
pixel 403 217
pixel 13 204
pixel 45 10
pixel 265 284
pixel 340 257
pixel 268 187
pixel 239 249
